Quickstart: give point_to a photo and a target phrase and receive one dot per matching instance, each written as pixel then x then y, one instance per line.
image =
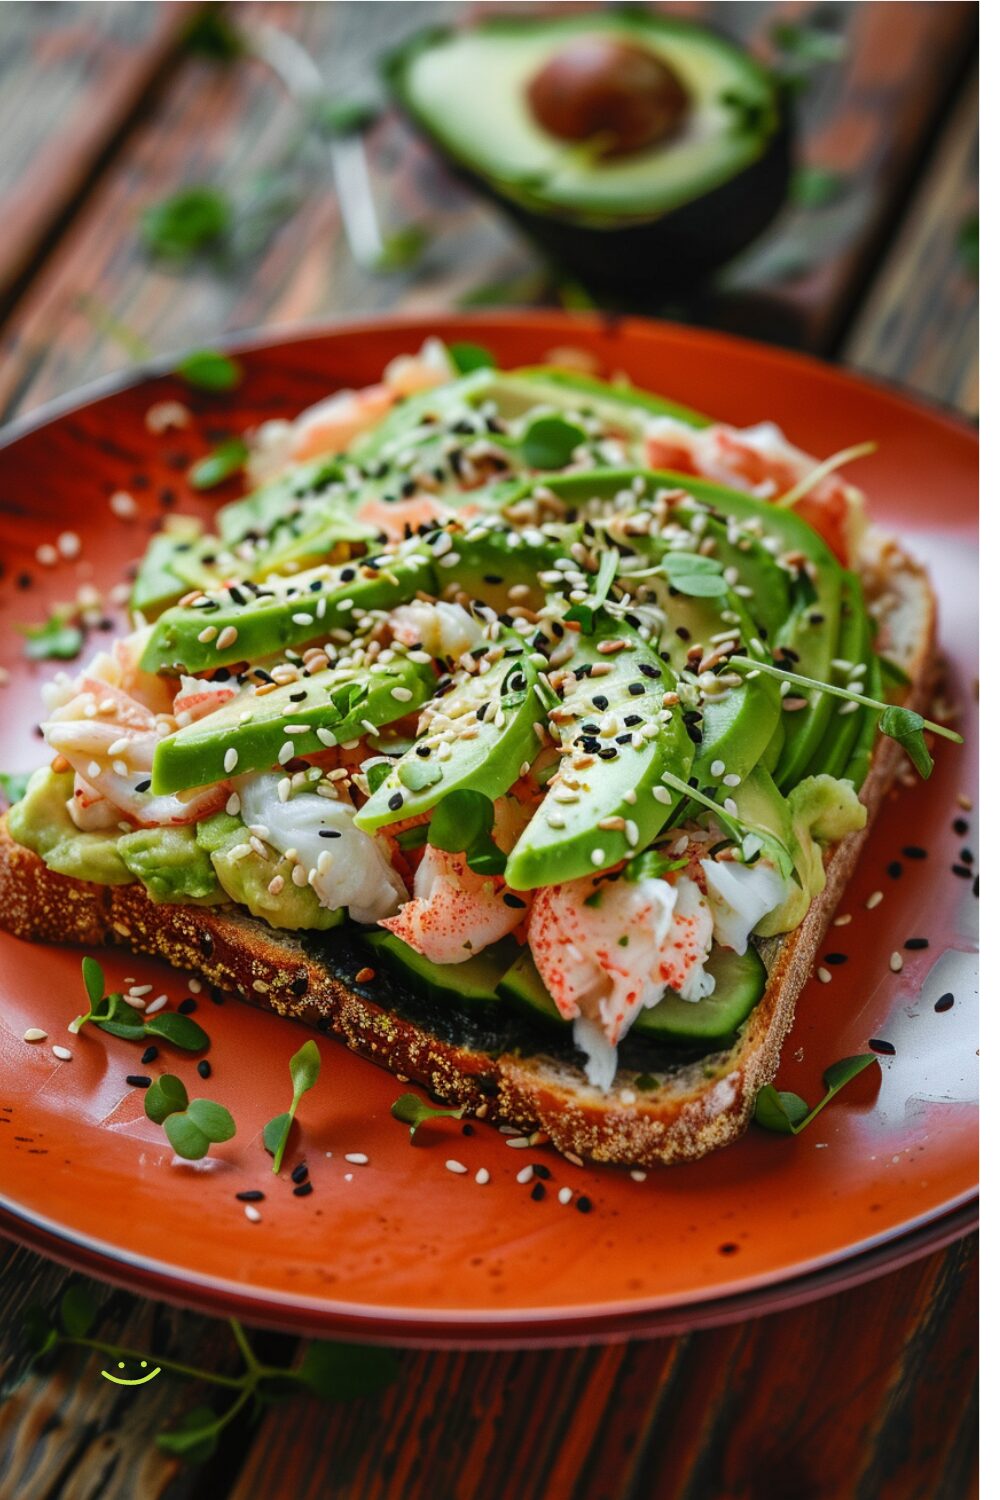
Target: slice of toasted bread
pixel 699 1107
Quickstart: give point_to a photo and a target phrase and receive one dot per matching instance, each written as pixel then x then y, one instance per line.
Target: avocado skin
pixel 647 257
pixel 685 244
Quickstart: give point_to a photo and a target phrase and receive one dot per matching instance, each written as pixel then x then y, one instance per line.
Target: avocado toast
pixel 501 732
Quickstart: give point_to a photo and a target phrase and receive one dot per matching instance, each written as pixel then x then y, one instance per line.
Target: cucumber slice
pixel 474 982
pixel 740 981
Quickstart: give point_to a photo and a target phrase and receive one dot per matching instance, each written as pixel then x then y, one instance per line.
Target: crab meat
pixel 607 949
pixel 197 698
pixel 396 519
pixel 761 461
pixel 454 913
pixel 444 630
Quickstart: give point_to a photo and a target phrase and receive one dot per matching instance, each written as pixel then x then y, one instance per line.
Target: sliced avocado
pixel 258 622
pixel 605 777
pixel 853 646
pixel 171 865
pixel 264 508
pixel 740 981
pixel 310 714
pixel 502 706
pixel 473 982
pixel 159 583
pixel 612 402
pixel 676 205
pixel 860 760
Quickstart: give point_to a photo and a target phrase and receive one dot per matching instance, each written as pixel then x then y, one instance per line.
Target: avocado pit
pixel 599 87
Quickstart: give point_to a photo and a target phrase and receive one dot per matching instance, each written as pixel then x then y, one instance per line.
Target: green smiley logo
pixel 142 1380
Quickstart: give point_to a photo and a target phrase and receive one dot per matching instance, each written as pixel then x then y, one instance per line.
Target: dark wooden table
pixel 104 109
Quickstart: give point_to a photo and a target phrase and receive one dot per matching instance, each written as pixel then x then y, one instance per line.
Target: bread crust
pixel 700 1107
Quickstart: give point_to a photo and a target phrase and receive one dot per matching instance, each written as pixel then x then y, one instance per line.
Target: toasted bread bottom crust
pixel 700 1107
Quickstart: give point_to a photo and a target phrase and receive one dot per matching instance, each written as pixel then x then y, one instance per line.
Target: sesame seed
pixel 401 694
pixel 597 857
pixel 637 1175
pixel 227 638
pixel 208 634
pixel 945 1002
pixel 518 1142
pixel 718 767
pixel 842 921
pixel 35 1034
pixel 457 1167
pixel 482 1176
pixel 356 1158
pixel 123 505
pixel 68 544
pixel 915 944
pixel 823 975
pixel 286 753
pixel 538 1192
pixel 526 1174
pixel 565 1195
pixel 896 962
pixel 63 1053
pixel 253 1214
pixel 878 1045
pixel 874 900
pixel 155 1005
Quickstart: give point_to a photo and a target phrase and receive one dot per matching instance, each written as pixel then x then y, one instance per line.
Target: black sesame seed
pixel 962 871
pixel 583 1204
pixel 541 1170
pixel 467 1129
pixel 945 1001
pixel 835 958
pixel 510 899
pixel 728 1248
pixel 967 857
pixel 329 833
pixel 150 1054
pixel 914 851
pixel 975 887
pixel 299 985
pixel 636 689
pixel 187 1006
pixel 915 944
pixel 538 1191
pixel 250 1195
pixel 885 1048
pixel 300 1173
pixel 138 1080
pixel 144 786
pixel 215 995
pixel 961 826
pixel 894 869
pixel 204 1068
pixel 303 1190
pixel 395 801
pixel 648 670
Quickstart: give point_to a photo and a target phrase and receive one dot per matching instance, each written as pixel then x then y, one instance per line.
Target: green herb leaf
pixel 690 573
pixel 213 1120
pixel 304 1067
pixel 208 370
pixel 93 981
pixel 119 1019
pixel 187 223
pixel 55 640
pixel 402 248
pixel 275 1137
pixel 462 823
pixel 336 118
pixel 907 728
pixel 787 1114
pixel 342 1371
pixel 467 357
pixel 815 187
pixel 549 442
pixel 412 1110
pixel 165 1096
pixel 178 1029
pixel 187 1138
pixel 413 838
pixel 651 864
pixel 219 465
pixel 376 774
pixel 195 1437
pixel 782 1113
pixel 586 612
pixel 14 784
pixel 77 1311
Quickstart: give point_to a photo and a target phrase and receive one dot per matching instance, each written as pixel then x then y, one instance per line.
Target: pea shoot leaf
pixel 186 223
pixel 187 1138
pixel 342 1371
pixel 178 1029
pixel 275 1135
pixel 788 1114
pixel 304 1068
pixel 207 370
pixel 195 1437
pixel 585 613
pixel 402 248
pixel 55 640
pixel 468 357
pixel 413 838
pixel 412 1110
pixel 165 1096
pixel 93 981
pixel 213 1120
pixel 691 573
pixel 462 823
pixel 77 1311
pixel 219 465
pixel 651 864
pixel 549 442
pixel 907 728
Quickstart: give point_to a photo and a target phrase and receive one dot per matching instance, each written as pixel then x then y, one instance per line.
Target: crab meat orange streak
pixel 454 913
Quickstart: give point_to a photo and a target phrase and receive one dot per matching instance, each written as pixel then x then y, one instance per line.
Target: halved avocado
pixel 616 208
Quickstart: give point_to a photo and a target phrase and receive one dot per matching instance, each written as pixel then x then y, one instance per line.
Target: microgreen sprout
pixel 788 1114
pixel 191 1126
pixel 412 1110
pixel 304 1068
pixel 113 1014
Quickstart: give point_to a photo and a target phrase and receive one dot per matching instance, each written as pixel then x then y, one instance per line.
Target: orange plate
pixel 400 1248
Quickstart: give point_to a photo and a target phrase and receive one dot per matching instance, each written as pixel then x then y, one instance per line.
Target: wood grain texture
pixel 920 321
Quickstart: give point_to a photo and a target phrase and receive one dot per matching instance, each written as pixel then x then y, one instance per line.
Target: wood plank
pixel 920 321
pixel 225 124
pixel 70 78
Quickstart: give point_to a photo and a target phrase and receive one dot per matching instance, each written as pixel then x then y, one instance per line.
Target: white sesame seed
pixel 896 962
pixel 356 1158
pixel 565 1194
pixel 660 794
pixel 230 760
pixel 155 1005
pixel 525 1174
pixel 233 804
pixel 68 543
pixel 597 856
pixel 519 1142
pixel 626 1096
pixel 286 752
pixel 123 505
pixel 823 975
pixel 731 780
pixel 874 900
pixel 842 921
pixel 718 767
pixel 47 555
pixel 227 637
pixel 637 1175
pixel 302 619
pixel 63 1053
pixel 194 985
pixel 253 1214
pixel 35 1034
pixel 455 1166
pixel 482 1176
